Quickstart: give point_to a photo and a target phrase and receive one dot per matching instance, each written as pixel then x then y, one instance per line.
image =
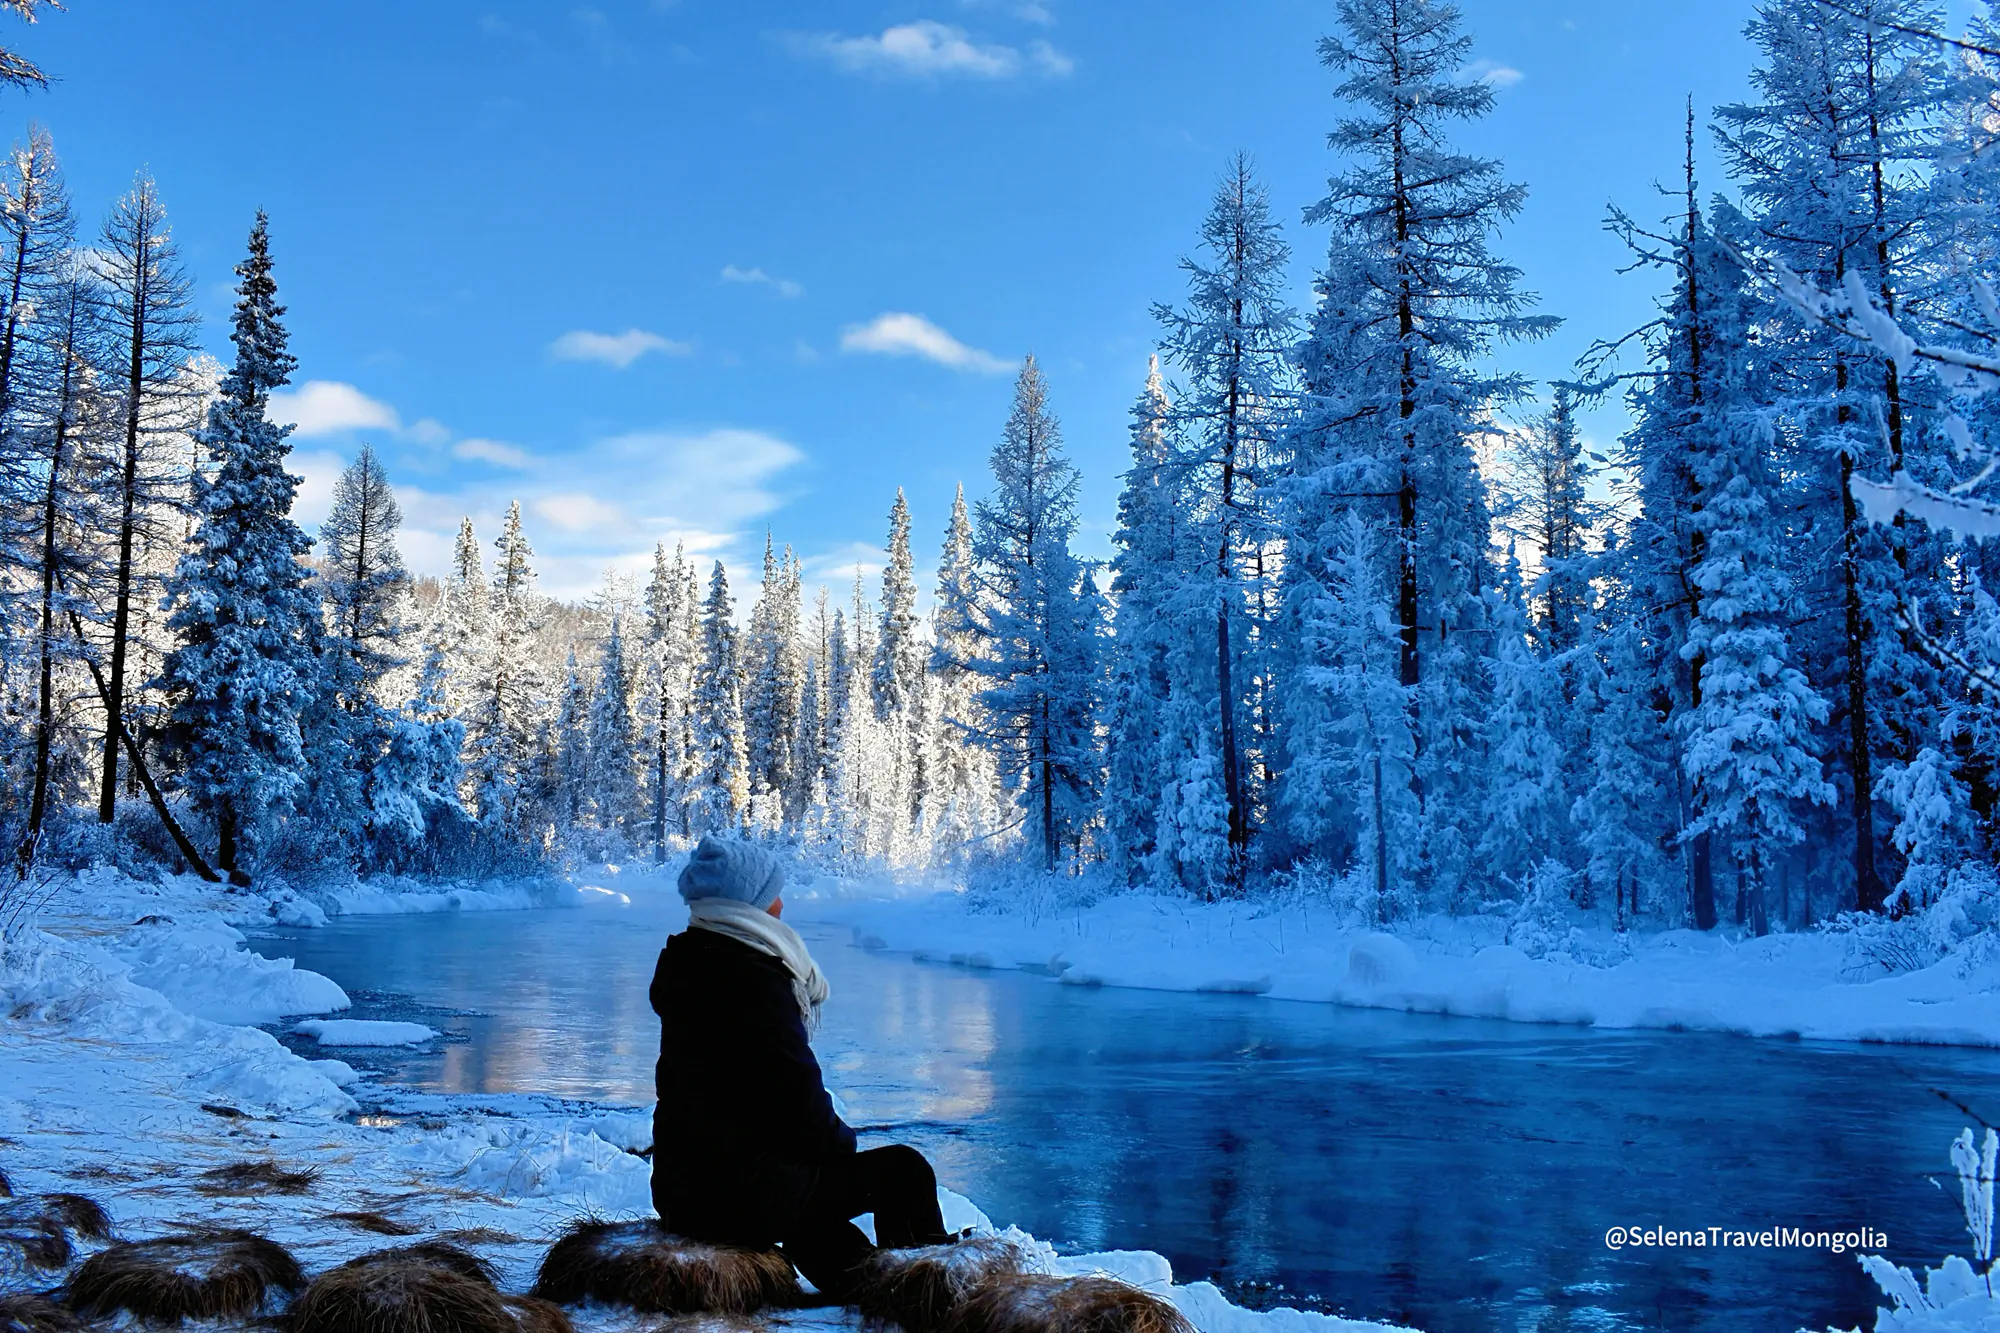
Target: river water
pixel 1453 1174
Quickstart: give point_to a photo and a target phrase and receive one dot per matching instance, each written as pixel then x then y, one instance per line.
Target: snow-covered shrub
pixel 1961 923
pixel 1540 924
pixel 1957 1296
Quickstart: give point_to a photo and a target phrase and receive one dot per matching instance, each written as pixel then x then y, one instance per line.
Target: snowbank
pixel 364 1032
pixel 1781 985
pixel 205 971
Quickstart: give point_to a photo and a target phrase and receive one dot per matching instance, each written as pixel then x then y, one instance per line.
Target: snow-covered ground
pixel 124 1076
pixel 1806 985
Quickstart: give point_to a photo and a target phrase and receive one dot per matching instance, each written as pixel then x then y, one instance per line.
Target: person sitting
pixel 747 1148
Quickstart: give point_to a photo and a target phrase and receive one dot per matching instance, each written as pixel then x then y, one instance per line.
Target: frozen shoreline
pixel 127 1076
pixel 1779 986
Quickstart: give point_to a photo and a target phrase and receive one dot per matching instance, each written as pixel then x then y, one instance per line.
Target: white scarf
pixel 766 934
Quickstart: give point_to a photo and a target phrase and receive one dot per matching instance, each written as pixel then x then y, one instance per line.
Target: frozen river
pixel 1454 1174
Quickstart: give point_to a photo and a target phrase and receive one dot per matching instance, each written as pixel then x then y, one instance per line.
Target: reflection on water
pixel 1453 1174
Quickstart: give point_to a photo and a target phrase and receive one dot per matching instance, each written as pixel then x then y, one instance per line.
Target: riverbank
pixel 130 1076
pixel 1809 985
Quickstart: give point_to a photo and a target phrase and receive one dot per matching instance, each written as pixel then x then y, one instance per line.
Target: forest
pixel 1379 623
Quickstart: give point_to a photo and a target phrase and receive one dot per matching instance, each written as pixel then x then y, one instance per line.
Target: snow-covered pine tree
pixel 510 749
pixel 1412 300
pixel 964 795
pixel 719 793
pixel 149 304
pixel 672 650
pixel 240 601
pixel 1624 811
pixel 1036 627
pixel 1526 802
pixel 1834 162
pixel 897 678
pixel 1546 480
pixel 464 620
pixel 1145 574
pixel 570 746
pixel 1349 790
pixel 613 780
pixel 1231 344
pixel 1750 752
pixel 413 795
pixel 1663 544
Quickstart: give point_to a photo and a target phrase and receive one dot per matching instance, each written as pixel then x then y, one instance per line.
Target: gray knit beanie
pixel 726 868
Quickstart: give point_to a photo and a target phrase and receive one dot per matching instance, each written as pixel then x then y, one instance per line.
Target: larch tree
pixel 1396 378
pixel 363 579
pixel 150 310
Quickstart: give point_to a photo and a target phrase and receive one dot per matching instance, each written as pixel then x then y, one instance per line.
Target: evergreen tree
pixel 613 776
pixel 1833 160
pixel 1547 479
pixel 508 742
pixel 240 601
pixel 571 747
pixel 414 804
pixel 463 613
pixel 1231 342
pixel 720 785
pixel 672 653
pixel 1146 572
pixel 1036 628
pixel 1412 300
pixel 897 676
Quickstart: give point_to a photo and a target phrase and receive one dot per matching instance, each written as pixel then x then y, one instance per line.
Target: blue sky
pixel 692 268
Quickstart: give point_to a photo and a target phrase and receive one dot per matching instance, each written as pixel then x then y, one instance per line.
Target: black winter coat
pixel 744 1122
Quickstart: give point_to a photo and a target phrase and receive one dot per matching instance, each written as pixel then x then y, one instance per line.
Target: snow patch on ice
pixel 364 1032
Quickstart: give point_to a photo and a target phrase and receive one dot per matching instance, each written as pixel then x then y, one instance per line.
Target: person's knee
pixel 908 1167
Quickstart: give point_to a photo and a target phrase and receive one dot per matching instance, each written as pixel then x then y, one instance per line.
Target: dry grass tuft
pixel 193 1274
pixel 479 1236
pixel 919 1288
pixel 79 1213
pixel 1034 1303
pixel 379 1223
pixel 713 1323
pixel 640 1265
pixel 38 1230
pixel 27 1312
pixel 535 1315
pixel 423 1288
pixel 257 1178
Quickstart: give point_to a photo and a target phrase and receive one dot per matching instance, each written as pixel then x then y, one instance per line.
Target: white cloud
pixel 785 287
pixel 492 451
pixel 614 349
pixel 429 431
pixel 1028 11
pixel 610 501
pixel 1491 72
pixel 899 333
pixel 328 407
pixel 574 511
pixel 316 472
pixel 927 49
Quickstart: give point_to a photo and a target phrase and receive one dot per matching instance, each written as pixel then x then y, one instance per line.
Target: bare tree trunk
pixel 121 614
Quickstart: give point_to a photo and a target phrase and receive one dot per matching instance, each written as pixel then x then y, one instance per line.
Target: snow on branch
pixel 1855 314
